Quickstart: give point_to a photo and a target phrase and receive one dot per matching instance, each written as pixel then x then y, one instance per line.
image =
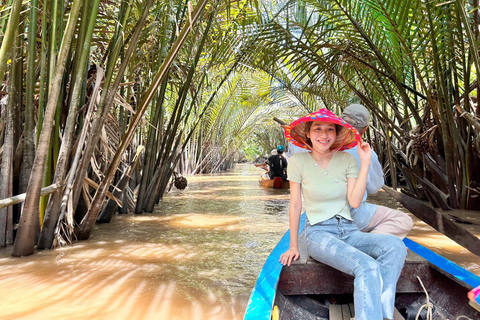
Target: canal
pixel 196 257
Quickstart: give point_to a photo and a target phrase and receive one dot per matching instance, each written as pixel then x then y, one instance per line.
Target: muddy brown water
pixel 196 257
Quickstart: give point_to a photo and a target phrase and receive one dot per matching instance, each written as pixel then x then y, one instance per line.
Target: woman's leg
pixel 326 243
pixel 390 252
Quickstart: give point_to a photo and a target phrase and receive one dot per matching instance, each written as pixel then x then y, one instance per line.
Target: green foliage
pixel 251 150
pixel 407 61
pixel 414 64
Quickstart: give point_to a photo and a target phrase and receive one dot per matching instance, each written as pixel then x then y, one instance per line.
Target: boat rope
pixel 428 306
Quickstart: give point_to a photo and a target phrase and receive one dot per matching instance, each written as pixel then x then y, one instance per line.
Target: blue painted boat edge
pixel 443 263
pixel 261 300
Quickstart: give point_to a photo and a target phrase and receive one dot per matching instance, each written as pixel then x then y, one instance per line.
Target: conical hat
pixel 347 137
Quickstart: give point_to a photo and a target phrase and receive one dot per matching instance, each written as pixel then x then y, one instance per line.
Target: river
pixel 196 256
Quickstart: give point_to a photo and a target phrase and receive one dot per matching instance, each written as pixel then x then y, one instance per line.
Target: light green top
pixel 324 191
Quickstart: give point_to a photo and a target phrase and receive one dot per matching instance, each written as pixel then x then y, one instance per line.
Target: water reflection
pixel 196 257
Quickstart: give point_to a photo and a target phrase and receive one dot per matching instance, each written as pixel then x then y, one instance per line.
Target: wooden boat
pixel 311 290
pixel 276 183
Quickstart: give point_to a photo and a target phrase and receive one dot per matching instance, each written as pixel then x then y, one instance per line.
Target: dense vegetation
pixel 106 100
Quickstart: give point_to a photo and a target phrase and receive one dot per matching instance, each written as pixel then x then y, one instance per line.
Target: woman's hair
pixel 308 126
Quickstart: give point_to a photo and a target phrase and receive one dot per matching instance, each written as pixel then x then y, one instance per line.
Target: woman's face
pixel 322 135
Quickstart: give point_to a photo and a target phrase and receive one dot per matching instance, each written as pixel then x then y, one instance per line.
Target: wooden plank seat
pixel 347 312
pixel 308 272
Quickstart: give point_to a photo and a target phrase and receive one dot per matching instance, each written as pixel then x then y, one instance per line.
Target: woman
pixel 331 183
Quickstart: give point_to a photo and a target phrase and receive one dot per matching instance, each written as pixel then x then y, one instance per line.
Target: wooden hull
pixel 270 184
pixel 306 289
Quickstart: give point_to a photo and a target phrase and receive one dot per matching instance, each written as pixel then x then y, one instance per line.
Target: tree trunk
pixel 16 102
pixel 9 37
pixel 107 212
pixel 25 241
pixel 29 133
pixel 54 206
pixel 6 170
pixel 88 222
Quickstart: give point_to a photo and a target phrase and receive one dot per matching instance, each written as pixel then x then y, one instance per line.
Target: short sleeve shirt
pixel 324 190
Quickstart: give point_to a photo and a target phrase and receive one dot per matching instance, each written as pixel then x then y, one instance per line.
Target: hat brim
pixel 347 137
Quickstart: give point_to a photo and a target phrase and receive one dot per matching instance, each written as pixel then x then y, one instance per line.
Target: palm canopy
pixel 413 64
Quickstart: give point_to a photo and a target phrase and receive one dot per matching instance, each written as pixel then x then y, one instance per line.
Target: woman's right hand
pixel 291 255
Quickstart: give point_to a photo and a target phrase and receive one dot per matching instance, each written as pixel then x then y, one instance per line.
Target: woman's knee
pixel 398 244
pixel 369 268
pixel 397 247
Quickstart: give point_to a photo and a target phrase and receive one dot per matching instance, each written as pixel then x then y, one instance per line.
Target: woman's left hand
pixel 289 256
pixel 364 151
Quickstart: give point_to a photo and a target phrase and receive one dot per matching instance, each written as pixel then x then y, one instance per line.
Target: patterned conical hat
pixel 347 137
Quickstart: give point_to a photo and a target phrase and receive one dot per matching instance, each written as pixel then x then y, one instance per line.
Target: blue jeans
pixel 375 260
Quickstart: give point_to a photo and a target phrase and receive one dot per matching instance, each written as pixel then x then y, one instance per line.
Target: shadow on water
pixel 196 256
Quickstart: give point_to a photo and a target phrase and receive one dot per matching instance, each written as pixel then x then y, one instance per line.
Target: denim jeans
pixel 375 260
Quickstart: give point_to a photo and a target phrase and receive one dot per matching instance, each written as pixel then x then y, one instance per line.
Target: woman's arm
pixel 356 187
pixel 295 212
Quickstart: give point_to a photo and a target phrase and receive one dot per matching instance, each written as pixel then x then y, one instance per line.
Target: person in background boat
pixel 278 164
pixel 331 182
pixel 371 217
pixel 264 166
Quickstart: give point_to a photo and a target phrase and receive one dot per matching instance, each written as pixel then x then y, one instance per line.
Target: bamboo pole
pixel 21 197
